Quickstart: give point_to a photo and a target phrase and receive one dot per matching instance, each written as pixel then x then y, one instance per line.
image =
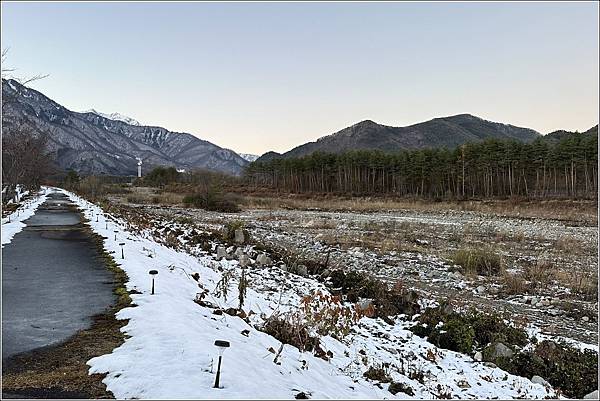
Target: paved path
pixel 53 280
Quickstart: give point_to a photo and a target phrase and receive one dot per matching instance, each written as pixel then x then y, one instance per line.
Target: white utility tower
pixel 139 167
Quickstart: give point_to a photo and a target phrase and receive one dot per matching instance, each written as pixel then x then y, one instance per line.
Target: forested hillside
pixel 544 168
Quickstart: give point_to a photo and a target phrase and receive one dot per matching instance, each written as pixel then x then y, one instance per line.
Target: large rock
pixel 221 252
pixel 301 270
pixel 591 396
pixel 540 380
pixel 238 236
pixel 263 259
pixel 499 350
pixel 239 252
pixel 244 261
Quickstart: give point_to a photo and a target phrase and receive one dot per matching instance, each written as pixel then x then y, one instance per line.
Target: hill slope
pixel 557 136
pixel 440 132
pixel 92 144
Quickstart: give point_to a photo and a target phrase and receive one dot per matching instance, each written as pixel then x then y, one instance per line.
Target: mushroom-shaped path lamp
pixel 122 253
pixel 221 345
pixel 153 273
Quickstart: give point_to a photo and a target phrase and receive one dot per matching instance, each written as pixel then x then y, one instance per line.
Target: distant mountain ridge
pixel 447 132
pixel 249 157
pixel 90 143
pixel 114 116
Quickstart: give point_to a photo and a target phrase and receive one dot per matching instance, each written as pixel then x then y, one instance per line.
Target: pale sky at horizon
pixel 255 77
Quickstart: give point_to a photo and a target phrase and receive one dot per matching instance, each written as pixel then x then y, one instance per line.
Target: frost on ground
pixel 169 351
pixel 13 223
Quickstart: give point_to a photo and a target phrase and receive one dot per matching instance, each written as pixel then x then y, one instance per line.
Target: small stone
pixel 457 275
pixel 448 309
pixel 364 304
pixel 490 365
pixel 478 356
pixel 284 268
pixel 540 380
pixel 463 384
pixel 545 302
pixel 585 319
pixel 480 289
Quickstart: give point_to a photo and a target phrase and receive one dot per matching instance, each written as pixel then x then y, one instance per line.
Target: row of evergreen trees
pixel 493 168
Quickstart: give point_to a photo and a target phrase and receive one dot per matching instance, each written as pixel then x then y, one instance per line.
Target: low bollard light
pixel 116 231
pixel 222 346
pixel 153 273
pixel 122 254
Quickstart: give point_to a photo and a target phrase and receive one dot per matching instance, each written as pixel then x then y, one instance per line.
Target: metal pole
pixel 122 254
pixel 152 285
pixel 218 374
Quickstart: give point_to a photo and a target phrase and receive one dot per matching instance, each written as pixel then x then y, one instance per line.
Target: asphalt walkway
pixel 53 280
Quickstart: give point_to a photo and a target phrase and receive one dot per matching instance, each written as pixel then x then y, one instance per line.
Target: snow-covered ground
pixel 169 351
pixel 13 223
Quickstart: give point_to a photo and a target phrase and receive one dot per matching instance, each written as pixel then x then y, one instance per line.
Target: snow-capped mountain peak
pixel 115 116
pixel 248 156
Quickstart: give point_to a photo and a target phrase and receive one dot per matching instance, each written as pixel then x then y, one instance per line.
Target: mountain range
pixel 93 143
pixel 446 132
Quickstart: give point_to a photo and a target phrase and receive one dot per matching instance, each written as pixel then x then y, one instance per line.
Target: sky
pixel 255 77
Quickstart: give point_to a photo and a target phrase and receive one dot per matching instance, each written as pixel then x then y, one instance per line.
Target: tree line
pixel 492 168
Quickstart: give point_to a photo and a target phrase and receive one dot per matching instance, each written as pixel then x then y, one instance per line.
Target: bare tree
pixel 7 73
pixel 25 157
pixel 25 161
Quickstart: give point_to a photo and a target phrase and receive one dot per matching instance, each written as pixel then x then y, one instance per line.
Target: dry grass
pixel 514 283
pixel 541 274
pixel 569 244
pixel 583 211
pixel 582 283
pixel 483 261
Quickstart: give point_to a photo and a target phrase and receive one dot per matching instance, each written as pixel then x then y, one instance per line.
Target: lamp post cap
pixel 153 272
pixel 221 343
pixel 121 243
